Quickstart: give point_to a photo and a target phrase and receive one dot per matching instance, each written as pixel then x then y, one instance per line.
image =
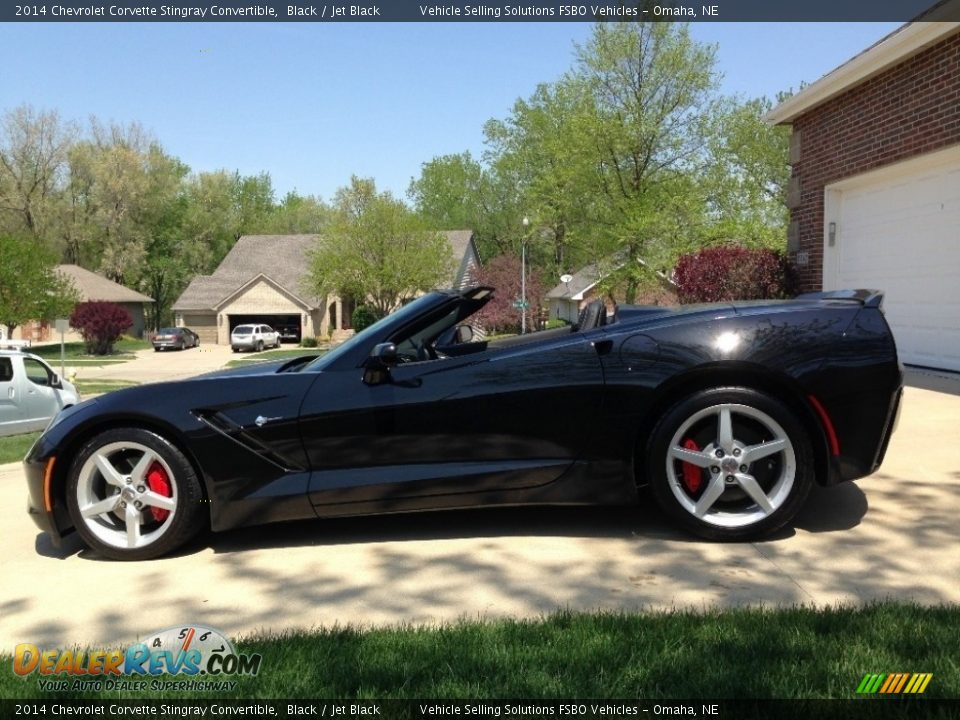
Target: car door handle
pixel 11 393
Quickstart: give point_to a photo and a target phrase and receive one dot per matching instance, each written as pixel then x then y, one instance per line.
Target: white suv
pixel 253 337
pixel 31 393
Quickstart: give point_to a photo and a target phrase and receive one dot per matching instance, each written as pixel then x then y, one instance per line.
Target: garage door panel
pixel 204 325
pixel 901 233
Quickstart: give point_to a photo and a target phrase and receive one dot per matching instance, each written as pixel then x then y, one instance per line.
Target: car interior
pixel 448 336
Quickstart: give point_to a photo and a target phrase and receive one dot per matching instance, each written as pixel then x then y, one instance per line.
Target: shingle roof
pixel 582 280
pixel 283 258
pixel 94 287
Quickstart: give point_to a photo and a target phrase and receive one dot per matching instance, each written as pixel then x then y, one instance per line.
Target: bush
pixel 734 273
pixel 101 324
pixel 363 317
pixel 308 342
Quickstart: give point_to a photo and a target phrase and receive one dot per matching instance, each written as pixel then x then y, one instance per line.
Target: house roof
pixel 902 43
pixel 93 287
pixel 581 282
pixel 284 259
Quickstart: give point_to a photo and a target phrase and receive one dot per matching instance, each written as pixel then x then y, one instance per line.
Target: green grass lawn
pixel 13 448
pixel 272 355
pixel 99 386
pixel 75 353
pixel 717 654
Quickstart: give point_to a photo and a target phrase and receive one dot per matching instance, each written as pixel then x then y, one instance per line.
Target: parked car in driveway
pixel 253 337
pixel 177 338
pixel 289 333
pixel 31 393
pixel 729 413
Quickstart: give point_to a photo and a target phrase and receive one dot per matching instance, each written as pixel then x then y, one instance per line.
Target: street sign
pixel 521 304
pixel 62 325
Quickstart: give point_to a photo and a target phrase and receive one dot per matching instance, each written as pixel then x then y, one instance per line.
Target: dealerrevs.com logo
pixel 190 651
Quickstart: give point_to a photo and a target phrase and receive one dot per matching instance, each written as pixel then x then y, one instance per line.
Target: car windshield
pixel 409 311
pixel 243 330
pixel 169 331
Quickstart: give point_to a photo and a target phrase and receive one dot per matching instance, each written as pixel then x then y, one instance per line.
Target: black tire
pixel 185 520
pixel 235 349
pixel 727 509
pixel 259 345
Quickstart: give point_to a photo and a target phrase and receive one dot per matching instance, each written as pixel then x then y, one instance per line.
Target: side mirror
pixel 55 382
pixel 464 333
pixel 384 354
pixel 378 364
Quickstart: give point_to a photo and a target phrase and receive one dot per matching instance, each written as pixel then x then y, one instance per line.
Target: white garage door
pixel 898 230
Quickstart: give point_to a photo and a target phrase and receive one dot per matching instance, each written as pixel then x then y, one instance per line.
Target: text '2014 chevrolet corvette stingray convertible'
pixel 728 412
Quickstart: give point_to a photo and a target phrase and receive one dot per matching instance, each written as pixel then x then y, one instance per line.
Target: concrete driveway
pixel 894 535
pixel 152 366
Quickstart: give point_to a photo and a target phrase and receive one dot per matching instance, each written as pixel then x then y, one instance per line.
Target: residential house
pixel 263 279
pixel 874 195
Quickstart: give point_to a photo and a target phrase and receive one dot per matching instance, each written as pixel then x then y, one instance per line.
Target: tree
pixel 123 186
pixel 101 324
pixel 653 98
pixel 299 214
pixel 33 160
pixel 747 177
pixel 378 249
pixel 30 288
pixel 503 274
pixel 545 146
pixel 457 192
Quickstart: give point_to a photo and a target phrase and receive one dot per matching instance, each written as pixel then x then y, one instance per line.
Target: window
pixel 6 369
pixel 36 371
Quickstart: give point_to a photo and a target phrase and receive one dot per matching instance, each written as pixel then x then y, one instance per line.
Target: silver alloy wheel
pixel 724 459
pixel 113 496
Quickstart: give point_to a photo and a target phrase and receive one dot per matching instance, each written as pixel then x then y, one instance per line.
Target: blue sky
pixel 312 104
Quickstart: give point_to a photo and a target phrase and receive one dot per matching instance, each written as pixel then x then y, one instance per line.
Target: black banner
pixel 859 709
pixel 479 11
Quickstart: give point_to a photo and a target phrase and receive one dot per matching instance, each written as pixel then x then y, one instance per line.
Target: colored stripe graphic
pixel 894 683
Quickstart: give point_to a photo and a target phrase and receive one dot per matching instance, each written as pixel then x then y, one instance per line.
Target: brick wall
pixel 907 110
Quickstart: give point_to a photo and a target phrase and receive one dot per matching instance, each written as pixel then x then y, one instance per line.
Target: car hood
pixel 253 368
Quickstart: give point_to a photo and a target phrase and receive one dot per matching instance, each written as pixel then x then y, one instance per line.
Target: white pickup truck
pixel 31 393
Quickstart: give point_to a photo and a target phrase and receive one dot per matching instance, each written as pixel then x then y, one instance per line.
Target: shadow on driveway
pixel 930 379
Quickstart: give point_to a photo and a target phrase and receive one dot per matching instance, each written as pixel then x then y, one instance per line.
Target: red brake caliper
pixel 159 482
pixel 692 475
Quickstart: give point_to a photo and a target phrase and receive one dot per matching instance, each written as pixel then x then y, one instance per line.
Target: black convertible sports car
pixel 728 412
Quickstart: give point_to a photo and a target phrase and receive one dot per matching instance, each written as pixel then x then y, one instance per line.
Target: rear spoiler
pixel 867 298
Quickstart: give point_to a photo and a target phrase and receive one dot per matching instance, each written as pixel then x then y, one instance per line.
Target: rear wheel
pixel 133 496
pixel 730 463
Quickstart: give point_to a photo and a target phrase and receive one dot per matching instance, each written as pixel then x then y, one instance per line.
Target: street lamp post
pixel 523 278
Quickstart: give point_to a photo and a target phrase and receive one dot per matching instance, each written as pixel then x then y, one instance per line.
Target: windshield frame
pixel 384 327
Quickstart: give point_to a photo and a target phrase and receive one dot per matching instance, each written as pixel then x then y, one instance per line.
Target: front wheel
pixel 259 345
pixel 132 495
pixel 730 463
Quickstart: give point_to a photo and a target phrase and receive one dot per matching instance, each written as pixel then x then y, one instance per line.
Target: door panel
pixel 503 419
pixel 39 402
